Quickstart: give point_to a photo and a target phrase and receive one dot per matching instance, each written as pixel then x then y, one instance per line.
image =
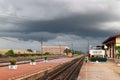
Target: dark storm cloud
pixel 82 25
pixel 57 22
pixel 50 19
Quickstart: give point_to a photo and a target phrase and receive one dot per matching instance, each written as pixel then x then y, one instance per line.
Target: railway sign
pixel 97 52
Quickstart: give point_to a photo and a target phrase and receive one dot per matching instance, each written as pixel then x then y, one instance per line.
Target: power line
pixel 18 41
pixel 8 39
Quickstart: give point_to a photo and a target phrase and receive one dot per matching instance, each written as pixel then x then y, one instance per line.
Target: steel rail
pixel 66 72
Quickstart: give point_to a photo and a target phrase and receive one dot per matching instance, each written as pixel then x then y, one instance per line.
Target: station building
pixel 111 43
pixel 54 49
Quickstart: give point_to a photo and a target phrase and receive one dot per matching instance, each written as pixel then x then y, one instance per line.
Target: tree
pixel 29 50
pixel 47 53
pixel 67 50
pixel 10 53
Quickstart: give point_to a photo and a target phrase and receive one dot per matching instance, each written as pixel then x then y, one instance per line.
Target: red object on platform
pixel 89 56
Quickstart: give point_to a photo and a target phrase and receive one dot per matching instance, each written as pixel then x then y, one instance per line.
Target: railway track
pixel 68 71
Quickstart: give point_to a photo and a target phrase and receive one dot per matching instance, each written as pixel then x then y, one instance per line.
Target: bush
pixel 26 55
pixel 10 53
pixel 100 59
pixel 47 53
pixel 32 59
pixel 13 61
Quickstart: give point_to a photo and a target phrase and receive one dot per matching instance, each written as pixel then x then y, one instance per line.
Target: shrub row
pixel 16 55
pixel 12 54
pixel 22 55
pixel 19 55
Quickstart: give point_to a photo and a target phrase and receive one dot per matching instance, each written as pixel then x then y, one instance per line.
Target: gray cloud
pixel 82 25
pixel 43 19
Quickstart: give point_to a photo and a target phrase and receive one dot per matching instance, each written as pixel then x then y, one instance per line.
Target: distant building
pixel 110 44
pixel 54 49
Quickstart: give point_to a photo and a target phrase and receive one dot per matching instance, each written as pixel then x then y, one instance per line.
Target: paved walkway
pixel 25 69
pixel 99 71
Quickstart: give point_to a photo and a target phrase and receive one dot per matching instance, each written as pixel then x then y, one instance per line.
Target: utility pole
pixel 60 49
pixel 41 49
pixel 88 46
pixel 72 46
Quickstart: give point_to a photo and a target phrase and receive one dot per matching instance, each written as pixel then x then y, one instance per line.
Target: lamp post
pixel 105 47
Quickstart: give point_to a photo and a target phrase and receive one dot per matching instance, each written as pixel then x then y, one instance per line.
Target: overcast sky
pixel 23 23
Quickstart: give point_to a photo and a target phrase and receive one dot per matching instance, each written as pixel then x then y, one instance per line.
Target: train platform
pixel 99 71
pixel 27 69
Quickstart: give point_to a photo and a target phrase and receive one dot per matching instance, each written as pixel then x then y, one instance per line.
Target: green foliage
pixel 77 52
pixel 47 53
pixel 118 49
pixel 67 50
pixel 100 59
pixel 72 51
pixel 26 55
pixel 118 55
pixel 10 53
pixel 32 59
pixel 13 61
pixel 29 50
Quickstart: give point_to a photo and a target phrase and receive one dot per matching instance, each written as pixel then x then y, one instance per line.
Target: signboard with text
pixel 97 52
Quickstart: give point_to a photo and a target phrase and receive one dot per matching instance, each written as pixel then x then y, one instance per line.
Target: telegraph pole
pixel 41 49
pixel 60 49
pixel 88 47
pixel 72 47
